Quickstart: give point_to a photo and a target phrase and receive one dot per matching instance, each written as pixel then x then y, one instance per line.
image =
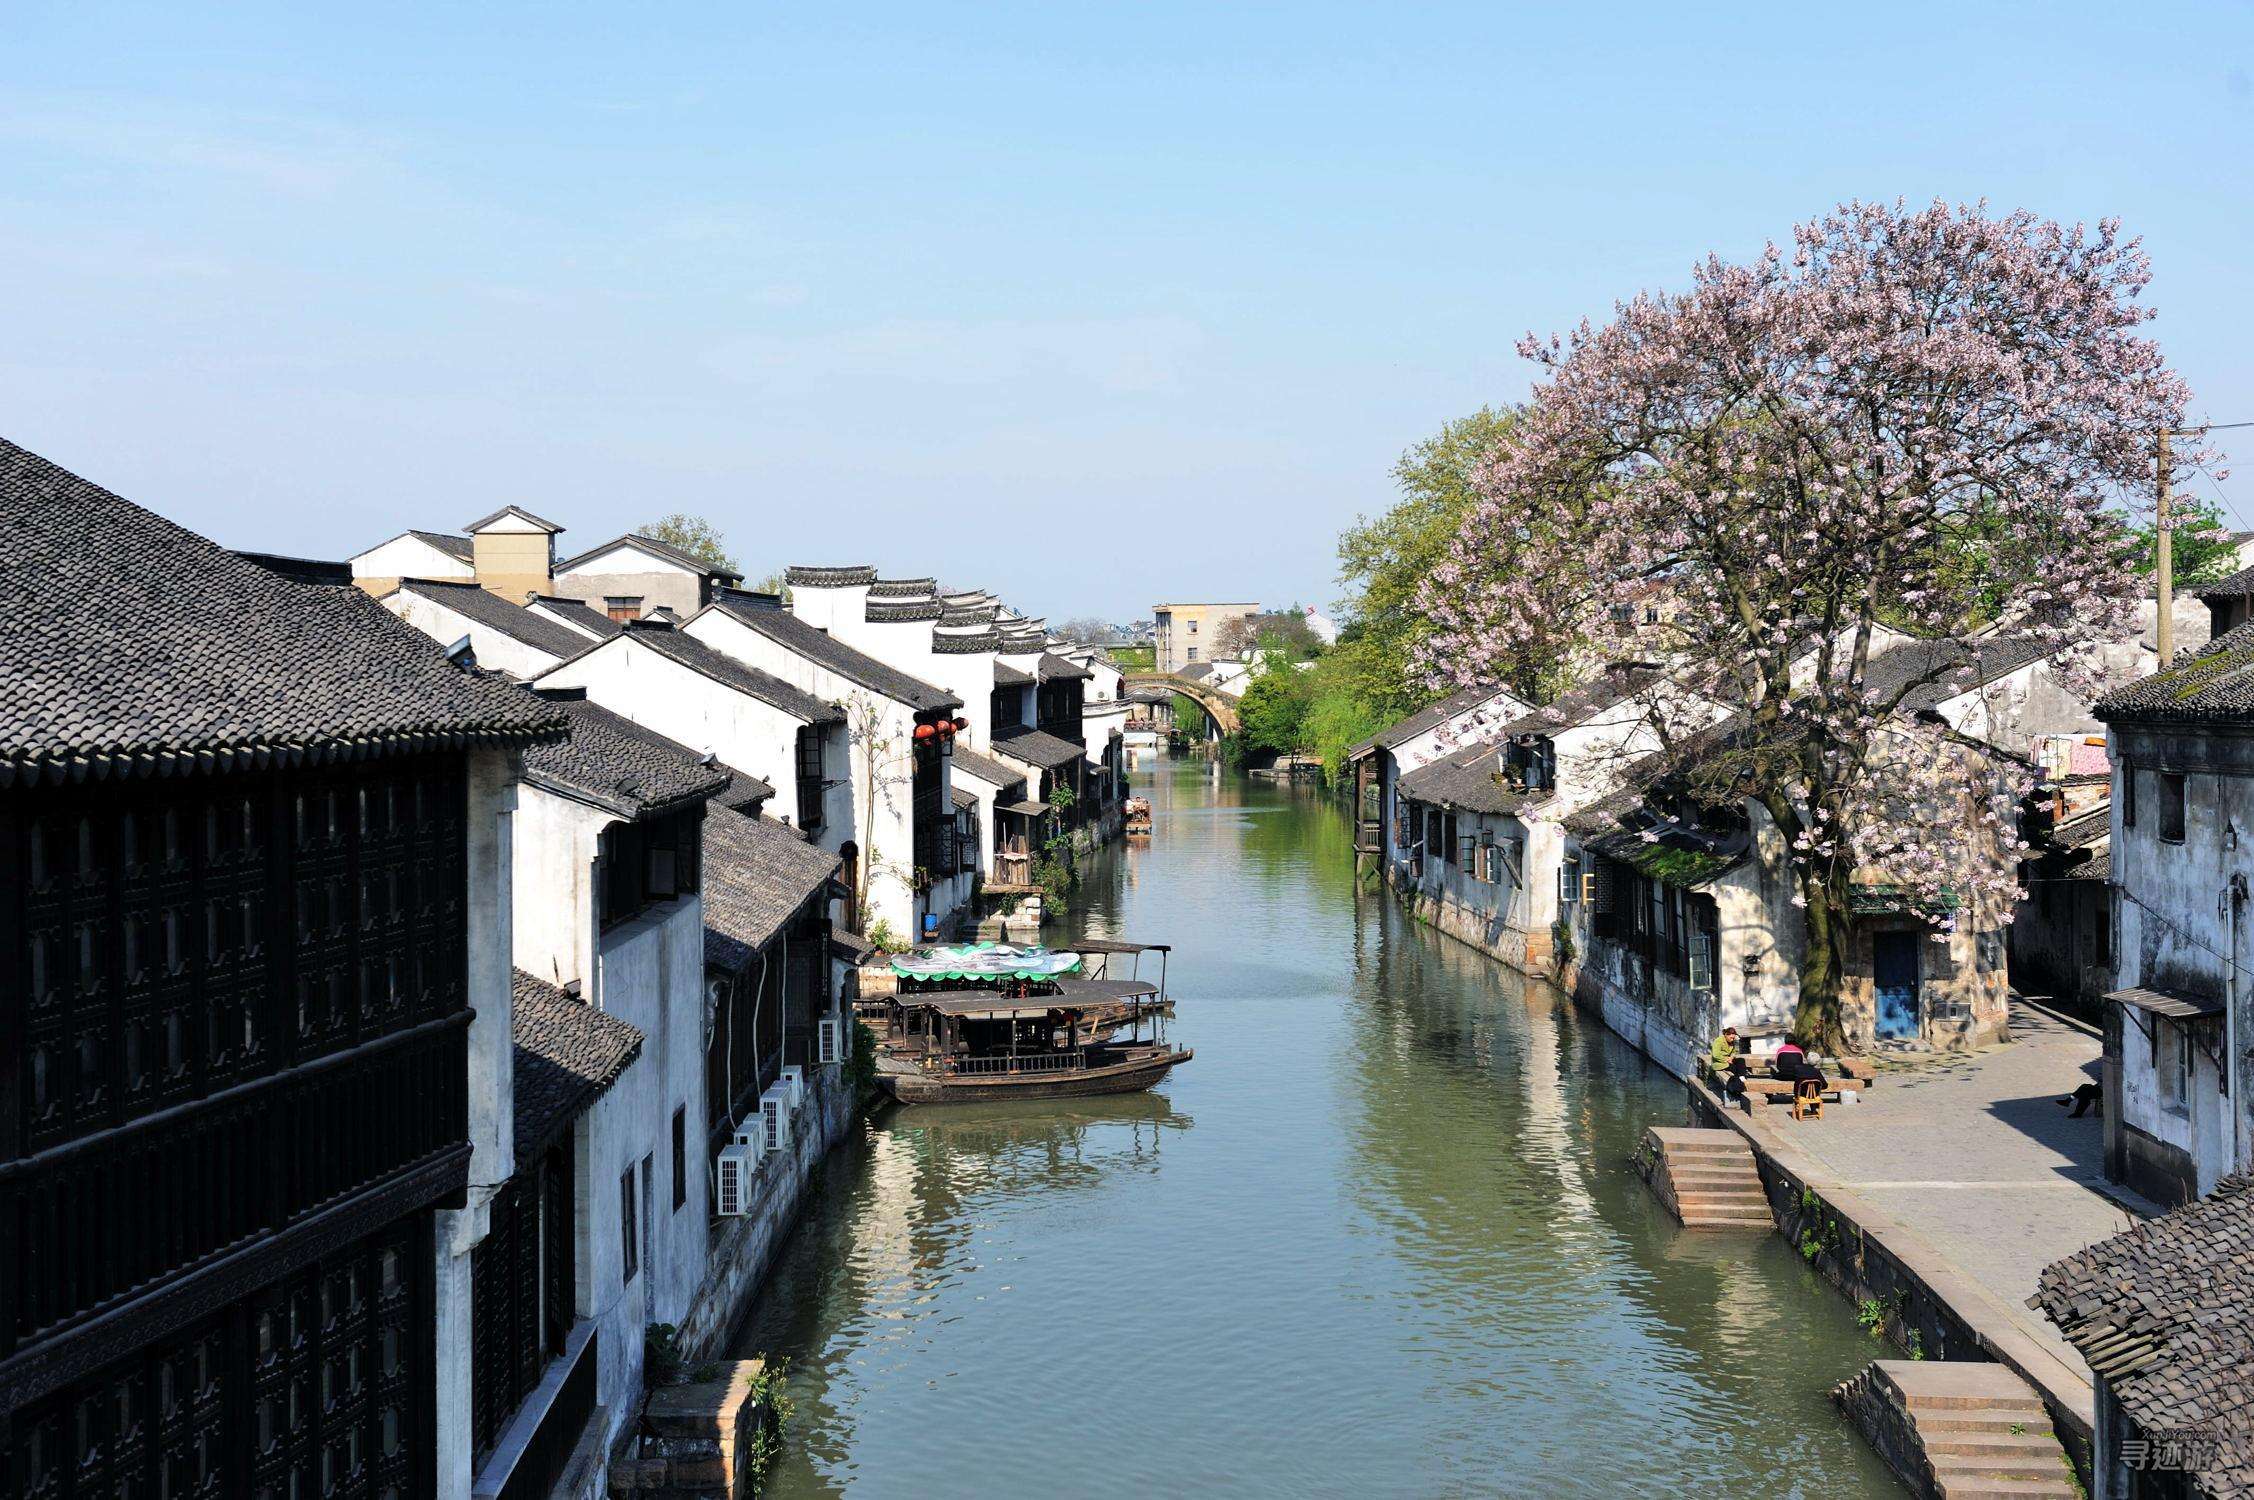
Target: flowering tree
pixel 1914 422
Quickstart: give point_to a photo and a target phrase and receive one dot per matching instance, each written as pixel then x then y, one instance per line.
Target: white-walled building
pixel 1478 837
pixel 2177 1116
pixel 608 915
pixel 630 577
pixel 1379 762
pixel 752 720
pixel 900 859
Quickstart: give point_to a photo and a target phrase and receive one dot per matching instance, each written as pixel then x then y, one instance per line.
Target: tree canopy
pixel 694 535
pixel 1913 419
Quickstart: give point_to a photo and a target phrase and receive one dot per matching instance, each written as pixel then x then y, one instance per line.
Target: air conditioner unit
pixel 828 1050
pixel 774 1115
pixel 794 1079
pixel 738 1163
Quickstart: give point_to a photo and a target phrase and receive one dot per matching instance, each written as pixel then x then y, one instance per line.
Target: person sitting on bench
pixel 1722 1049
pixel 1788 1061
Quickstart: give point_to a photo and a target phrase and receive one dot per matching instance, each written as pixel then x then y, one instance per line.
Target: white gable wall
pixel 495 650
pixel 410 557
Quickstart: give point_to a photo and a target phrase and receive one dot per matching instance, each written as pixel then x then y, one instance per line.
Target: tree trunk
pixel 1818 1022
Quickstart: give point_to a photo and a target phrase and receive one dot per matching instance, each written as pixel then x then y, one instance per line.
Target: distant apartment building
pixel 1185 632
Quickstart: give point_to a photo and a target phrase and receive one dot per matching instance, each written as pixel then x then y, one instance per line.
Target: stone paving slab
pixel 1975 1154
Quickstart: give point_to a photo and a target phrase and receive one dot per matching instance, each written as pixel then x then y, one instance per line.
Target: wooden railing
pixel 1030 1062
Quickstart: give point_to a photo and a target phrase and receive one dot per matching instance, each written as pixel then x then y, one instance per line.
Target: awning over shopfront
pixel 1029 809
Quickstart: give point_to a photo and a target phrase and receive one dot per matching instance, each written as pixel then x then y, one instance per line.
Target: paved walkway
pixel 1974 1154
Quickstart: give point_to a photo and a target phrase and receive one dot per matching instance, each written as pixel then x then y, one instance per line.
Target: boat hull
pixel 1125 1077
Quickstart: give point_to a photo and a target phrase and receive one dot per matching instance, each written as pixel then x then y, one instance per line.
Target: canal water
pixel 1380 1237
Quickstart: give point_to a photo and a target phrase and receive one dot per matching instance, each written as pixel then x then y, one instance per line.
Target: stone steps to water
pixel 1706 1178
pixel 1958 1430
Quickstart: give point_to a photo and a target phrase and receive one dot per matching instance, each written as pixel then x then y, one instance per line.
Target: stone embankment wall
pixel 1443 911
pixel 742 1248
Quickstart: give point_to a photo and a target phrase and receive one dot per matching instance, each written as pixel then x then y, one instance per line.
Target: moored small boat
pixel 997 1021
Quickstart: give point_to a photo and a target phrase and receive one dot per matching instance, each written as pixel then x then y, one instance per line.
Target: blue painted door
pixel 1894 974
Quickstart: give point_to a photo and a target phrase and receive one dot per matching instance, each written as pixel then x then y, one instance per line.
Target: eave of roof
pixel 520 513
pixel 621 767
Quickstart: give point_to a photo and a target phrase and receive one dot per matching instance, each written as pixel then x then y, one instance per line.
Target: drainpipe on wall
pixel 2235 895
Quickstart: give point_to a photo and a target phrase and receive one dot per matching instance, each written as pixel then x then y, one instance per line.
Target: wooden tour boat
pixel 1009 1023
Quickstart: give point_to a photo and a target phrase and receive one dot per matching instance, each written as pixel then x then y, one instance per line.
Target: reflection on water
pixel 1380 1237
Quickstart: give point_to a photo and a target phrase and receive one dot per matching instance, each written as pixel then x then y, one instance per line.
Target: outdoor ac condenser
pixel 774 1113
pixel 738 1161
pixel 794 1079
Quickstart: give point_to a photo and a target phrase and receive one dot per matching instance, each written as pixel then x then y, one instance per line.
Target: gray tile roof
pixel 744 791
pixel 1466 780
pixel 1929 673
pixel 2212 683
pixel 2083 829
pixel 1425 718
pixel 789 631
pixel 1036 748
pixel 1006 675
pixel 2237 586
pixel 489 609
pixel 2098 866
pixel 618 765
pixel 650 544
pixel 2164 1313
pixel 1196 671
pixel 829 578
pixel 1608 688
pixel 513 510
pixel 757 874
pixel 132 646
pixel 724 669
pixel 985 768
pixel 962 798
pixel 566 1053
pixel 1054 667
pixel 578 613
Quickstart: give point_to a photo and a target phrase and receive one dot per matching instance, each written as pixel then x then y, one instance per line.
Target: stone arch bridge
pixel 1219 707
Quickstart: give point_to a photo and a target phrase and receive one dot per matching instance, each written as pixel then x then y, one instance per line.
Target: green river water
pixel 1380 1237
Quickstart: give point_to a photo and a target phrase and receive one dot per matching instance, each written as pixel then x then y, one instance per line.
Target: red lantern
pixel 925 731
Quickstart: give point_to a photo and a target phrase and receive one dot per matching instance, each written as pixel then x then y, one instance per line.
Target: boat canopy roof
pixel 1072 994
pixel 1114 945
pixel 984 961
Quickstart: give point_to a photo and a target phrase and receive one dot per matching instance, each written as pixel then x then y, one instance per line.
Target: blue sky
pixel 1088 305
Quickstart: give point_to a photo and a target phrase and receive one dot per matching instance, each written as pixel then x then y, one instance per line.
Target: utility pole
pixel 2164 563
